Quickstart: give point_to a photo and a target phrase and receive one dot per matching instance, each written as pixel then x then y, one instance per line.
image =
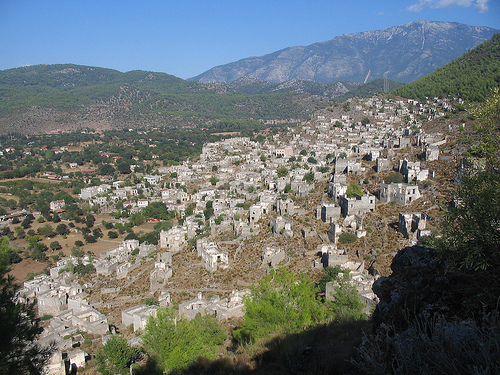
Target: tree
pixel 308 177
pixel 112 234
pixel 346 304
pixel 18 330
pixel 280 303
pixel 177 341
pixel 89 238
pixel 89 221
pixel 353 189
pixel 488 144
pixel 62 229
pixel 55 245
pixel 46 231
pixel 8 255
pixel 77 252
pixel 312 160
pixel 471 234
pixel 106 169
pixel 282 171
pixel 123 168
pixel 26 223
pixel 97 233
pixel 115 356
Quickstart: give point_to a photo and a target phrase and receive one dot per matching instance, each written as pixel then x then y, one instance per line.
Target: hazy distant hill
pixel 404 52
pixel 43 98
pixel 471 76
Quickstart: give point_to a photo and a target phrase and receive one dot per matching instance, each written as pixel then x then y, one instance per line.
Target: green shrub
pixel 394 177
pixel 280 303
pixel 347 237
pixel 177 342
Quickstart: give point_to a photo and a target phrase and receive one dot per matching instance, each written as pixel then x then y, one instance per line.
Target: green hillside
pixel 470 77
pixel 69 87
pixel 367 89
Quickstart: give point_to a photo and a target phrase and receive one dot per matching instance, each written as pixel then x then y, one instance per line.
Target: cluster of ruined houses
pixel 239 165
pixel 61 299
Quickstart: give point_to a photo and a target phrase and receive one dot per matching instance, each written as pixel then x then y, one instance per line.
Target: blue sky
pixel 186 38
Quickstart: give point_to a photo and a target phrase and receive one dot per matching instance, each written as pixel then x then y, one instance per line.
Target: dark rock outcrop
pixel 420 288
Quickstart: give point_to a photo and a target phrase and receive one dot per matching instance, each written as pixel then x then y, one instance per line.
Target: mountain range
pixel 63 97
pixel 401 53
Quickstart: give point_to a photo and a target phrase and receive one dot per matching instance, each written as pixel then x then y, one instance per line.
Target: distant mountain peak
pixel 402 53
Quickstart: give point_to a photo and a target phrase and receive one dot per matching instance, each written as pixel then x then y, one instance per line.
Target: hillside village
pixel 349 187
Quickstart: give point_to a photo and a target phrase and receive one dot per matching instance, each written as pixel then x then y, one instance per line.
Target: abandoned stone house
pixel 286 206
pixel 301 188
pixel 241 228
pixel 284 152
pixel 411 224
pixel 330 256
pixel 152 179
pixel 162 271
pixel 336 189
pixel 309 233
pixel 52 302
pixel 401 193
pixel 281 183
pixel 281 226
pixel 91 191
pixel 357 205
pixel 272 256
pixel 173 239
pixel 333 232
pixel 137 316
pixel 347 166
pixel 328 212
pixel 431 153
pixel 106 267
pixel 231 307
pixel 413 171
pixel 199 305
pixel 122 270
pixel 339 178
pixel 255 213
pixel 383 165
pixel 115 260
pixel 211 257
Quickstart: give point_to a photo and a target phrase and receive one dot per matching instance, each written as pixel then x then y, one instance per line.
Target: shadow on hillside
pixel 324 349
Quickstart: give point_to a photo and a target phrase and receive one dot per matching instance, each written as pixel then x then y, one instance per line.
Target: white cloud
pixel 482 6
pixel 420 5
pixel 479 5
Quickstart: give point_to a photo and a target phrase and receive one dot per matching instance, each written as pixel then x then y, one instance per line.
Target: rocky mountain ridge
pixel 402 53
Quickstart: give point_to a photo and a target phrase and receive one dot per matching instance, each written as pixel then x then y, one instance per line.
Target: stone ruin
pixel 231 307
pixel 211 257
pixel 272 256
pixel 281 226
pixel 162 271
pixel 412 225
